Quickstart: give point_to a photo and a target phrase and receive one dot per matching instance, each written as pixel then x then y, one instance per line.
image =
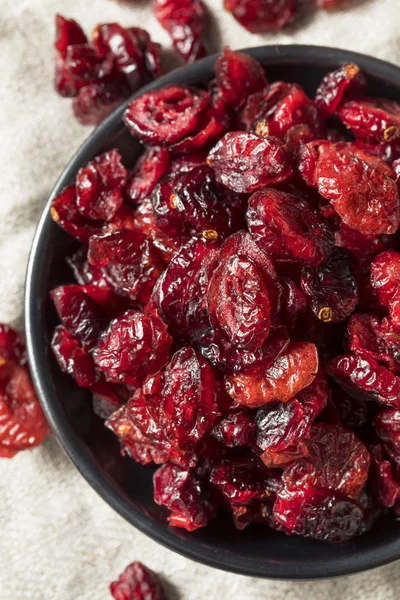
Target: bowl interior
pixel 126 485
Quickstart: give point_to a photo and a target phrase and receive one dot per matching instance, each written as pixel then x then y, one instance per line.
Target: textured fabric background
pixel 58 539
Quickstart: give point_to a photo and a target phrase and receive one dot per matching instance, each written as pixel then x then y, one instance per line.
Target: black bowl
pixel 125 485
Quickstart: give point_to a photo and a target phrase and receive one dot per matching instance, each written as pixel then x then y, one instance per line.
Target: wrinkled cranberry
pixel 363 378
pixel 364 247
pixel 376 339
pixel 345 81
pixel 260 16
pixel 336 459
pixel 236 429
pixel 384 487
pixel 245 162
pixel 134 346
pixel 166 116
pixel 185 21
pixel 287 228
pixel 318 513
pixel 12 345
pixel 137 582
pixel 186 495
pixel 262 104
pixel 363 195
pixel 22 423
pixel 129 260
pixel 72 358
pixel 385 279
pixel 243 481
pixel 331 288
pixel 68 33
pixel 148 171
pixel 180 293
pixel 65 213
pixel 294 370
pixel 238 75
pixel 372 118
pixel 172 410
pixel 99 186
pixel 95 101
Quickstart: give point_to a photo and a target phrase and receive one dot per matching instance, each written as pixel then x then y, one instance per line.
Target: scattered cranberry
pixel 137 582
pixel 236 311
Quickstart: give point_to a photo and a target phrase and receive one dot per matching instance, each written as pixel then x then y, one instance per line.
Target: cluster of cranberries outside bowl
pixel 95 451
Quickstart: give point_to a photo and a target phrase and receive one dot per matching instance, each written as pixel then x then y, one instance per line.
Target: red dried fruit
pixel 95 101
pixel 134 346
pixel 245 162
pixel 258 513
pixel 68 33
pixel 65 213
pixel 79 313
pixel 186 495
pixel 318 514
pixel 261 105
pixel 343 82
pixel 180 293
pixel 385 279
pixel 185 21
pixel 287 228
pixel 364 247
pixel 238 303
pixel 387 427
pixel 226 357
pixel 72 358
pixel 235 429
pixel 84 65
pixel 363 195
pixel 261 16
pixel 129 261
pixel 137 582
pixel 243 481
pixel 166 116
pixel 238 75
pixel 336 459
pixel 331 288
pixel 172 411
pixel 294 370
pixel 363 378
pixel 384 488
pixel 375 339
pixel 370 119
pixel 295 108
pixel 12 345
pixel 148 171
pixel 292 302
pixel 22 423
pixel 185 204
pixel 99 186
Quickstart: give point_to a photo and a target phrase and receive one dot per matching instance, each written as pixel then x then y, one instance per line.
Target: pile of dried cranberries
pixel 237 307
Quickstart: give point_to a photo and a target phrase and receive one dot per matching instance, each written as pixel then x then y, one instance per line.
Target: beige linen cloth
pixel 58 539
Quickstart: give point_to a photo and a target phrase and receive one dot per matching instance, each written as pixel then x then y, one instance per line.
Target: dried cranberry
pixel 385 279
pixel 235 429
pixel 376 339
pixel 331 288
pixel 363 195
pixel 291 372
pixel 243 481
pixel 261 105
pixel 22 423
pixel 345 81
pixel 137 582
pixel 336 459
pixel 363 378
pixel 238 75
pixel 166 116
pixel 129 261
pixel 134 346
pixel 99 186
pixel 144 222
pixel 317 513
pixel 186 495
pixel 185 21
pixel 72 358
pixel 180 293
pixel 261 16
pixel 68 33
pixel 287 228
pixel 245 162
pixel 172 411
pixel 95 101
pixel 65 213
pixel 384 487
pixel 372 118
pixel 364 247
pixel 387 427
pixel 293 303
pixel 12 345
pixel 148 171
